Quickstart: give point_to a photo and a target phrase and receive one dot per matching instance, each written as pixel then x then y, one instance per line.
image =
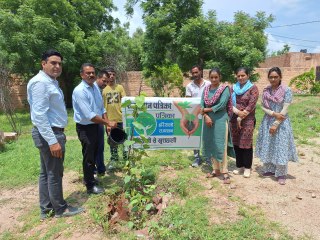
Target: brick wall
pixel 133 83
pixel 291 64
pixel 287 74
pixel 293 60
pixel 18 92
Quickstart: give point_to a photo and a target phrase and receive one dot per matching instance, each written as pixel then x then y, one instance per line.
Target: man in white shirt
pixel 49 118
pixel 195 89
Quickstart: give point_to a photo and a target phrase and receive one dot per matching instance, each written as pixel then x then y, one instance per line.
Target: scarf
pixel 240 91
pixel 211 101
pixel 277 97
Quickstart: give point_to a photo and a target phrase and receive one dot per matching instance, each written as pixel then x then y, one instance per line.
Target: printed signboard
pixel 168 123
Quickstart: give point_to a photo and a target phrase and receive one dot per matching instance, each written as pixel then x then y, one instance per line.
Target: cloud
pixel 275 44
pixel 316 50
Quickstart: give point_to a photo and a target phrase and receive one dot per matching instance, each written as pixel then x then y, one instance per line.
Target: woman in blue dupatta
pixel 275 144
pixel 244 98
pixel 216 105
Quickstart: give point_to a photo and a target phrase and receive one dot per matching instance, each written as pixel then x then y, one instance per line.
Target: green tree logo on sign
pixel 146 124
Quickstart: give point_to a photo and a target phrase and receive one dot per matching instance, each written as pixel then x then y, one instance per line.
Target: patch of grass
pixel 31 219
pixel 305 114
pixel 20 160
pixel 56 230
pixel 183 222
pixel 24 121
pixel 19 163
pixel 173 158
pixel 184 184
pixel 190 221
pixel 99 212
pixel 7 235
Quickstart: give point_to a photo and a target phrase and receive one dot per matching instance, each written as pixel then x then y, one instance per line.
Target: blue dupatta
pixel 240 91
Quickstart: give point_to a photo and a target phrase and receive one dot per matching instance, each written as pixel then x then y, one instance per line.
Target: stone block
pixel 10 136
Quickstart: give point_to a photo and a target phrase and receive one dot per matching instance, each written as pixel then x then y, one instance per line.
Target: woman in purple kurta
pixel 244 96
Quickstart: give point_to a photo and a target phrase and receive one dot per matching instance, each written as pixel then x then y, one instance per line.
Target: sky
pixel 286 12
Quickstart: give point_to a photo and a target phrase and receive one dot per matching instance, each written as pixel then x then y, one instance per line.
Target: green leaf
pixel 126 103
pixel 149 206
pixel 130 225
pixel 128 143
pixel 143 94
pixel 127 179
pixel 138 140
pixel 135 209
pixel 139 100
pixel 144 139
pixel 134 202
pixel 138 125
pixel 146 146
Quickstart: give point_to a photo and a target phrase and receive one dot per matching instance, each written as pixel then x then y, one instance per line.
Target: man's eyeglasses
pixel 273 77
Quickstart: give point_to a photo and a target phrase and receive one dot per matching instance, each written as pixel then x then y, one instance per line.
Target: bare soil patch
pixel 295 205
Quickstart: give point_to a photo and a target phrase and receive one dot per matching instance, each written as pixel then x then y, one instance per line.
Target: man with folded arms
pixel 89 112
pixel 49 117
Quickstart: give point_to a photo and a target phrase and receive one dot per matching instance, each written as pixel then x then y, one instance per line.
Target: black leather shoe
pixel 70 211
pixel 95 190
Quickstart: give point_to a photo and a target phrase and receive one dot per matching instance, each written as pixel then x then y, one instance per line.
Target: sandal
pixel 282 180
pixel 226 179
pixel 213 175
pixel 268 174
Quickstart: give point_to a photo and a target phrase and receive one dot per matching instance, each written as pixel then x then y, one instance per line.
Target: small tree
pixel 138 181
pixel 164 79
pixel 284 50
pixel 306 82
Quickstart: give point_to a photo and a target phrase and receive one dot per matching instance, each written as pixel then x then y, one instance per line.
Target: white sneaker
pixel 247 172
pixel 237 171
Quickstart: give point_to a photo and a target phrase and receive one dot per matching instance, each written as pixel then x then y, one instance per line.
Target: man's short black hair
pixel 103 72
pixel 196 66
pixel 49 53
pixel 86 65
pixel 109 69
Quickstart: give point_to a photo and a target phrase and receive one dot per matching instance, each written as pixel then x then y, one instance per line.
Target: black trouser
pixel 88 136
pixel 243 157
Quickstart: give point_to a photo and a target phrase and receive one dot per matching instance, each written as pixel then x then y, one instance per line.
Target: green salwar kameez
pixel 215 144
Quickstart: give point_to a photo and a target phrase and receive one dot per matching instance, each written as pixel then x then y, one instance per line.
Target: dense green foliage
pixel 223 44
pixel 177 32
pixel 81 32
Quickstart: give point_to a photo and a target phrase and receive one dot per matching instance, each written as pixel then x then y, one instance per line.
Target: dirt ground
pixel 296 205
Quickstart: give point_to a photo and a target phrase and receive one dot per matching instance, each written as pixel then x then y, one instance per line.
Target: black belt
pixel 57 129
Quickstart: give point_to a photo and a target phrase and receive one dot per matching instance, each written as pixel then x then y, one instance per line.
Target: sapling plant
pixel 138 181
